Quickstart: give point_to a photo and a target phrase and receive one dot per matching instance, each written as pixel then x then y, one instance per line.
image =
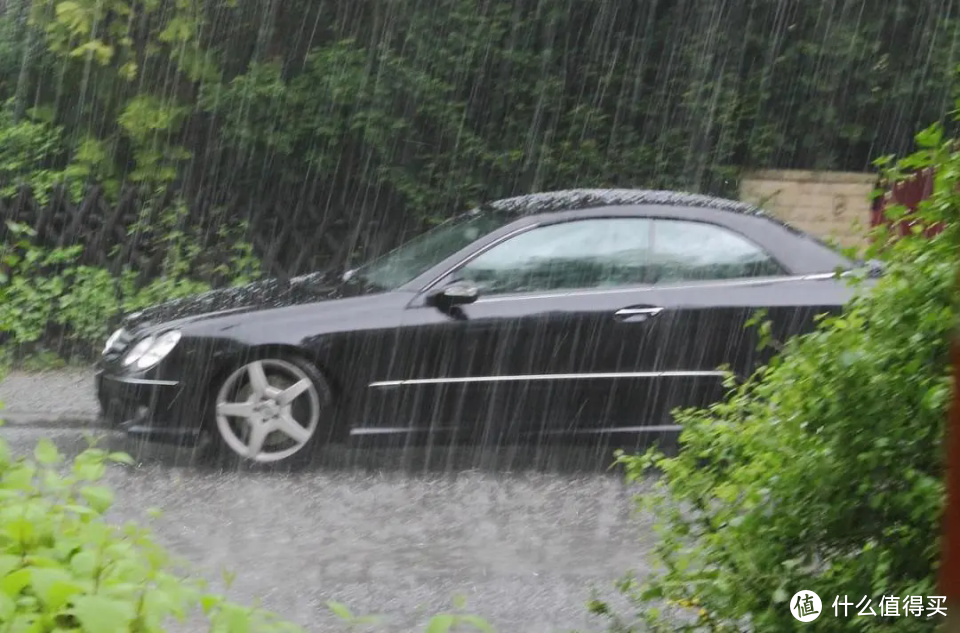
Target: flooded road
pixel 382 535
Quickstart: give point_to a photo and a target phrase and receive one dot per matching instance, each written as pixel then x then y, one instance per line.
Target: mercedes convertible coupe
pixel 583 313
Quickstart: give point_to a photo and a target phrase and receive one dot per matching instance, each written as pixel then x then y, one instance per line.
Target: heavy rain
pixel 376 307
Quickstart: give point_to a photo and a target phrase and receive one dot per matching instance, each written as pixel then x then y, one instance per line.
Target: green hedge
pixel 50 302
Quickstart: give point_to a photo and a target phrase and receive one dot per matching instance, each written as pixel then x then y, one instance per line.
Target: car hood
pixel 259 295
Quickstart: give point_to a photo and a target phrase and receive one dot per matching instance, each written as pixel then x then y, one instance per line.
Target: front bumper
pixel 150 409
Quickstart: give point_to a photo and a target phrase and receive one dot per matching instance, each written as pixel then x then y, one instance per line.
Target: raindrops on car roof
pixel 265 293
pixel 575 199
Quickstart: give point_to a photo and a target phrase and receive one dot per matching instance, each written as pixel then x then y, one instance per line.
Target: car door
pixel 710 281
pixel 547 341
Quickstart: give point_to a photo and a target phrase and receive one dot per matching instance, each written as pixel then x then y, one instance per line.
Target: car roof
pixel 580 199
pixel 566 200
pixel 800 252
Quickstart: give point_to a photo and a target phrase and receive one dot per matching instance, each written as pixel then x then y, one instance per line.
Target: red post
pixel 909 193
pixel 950 547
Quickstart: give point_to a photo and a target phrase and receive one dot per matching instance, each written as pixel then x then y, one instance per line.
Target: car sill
pixel 542 377
pixel 658 428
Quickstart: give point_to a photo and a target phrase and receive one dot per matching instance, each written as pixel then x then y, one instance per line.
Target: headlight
pixel 138 350
pixel 113 339
pixel 164 343
pixel 152 350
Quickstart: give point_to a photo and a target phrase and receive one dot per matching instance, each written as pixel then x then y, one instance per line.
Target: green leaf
pixel 236 618
pixel 7 607
pixel 340 610
pixel 89 470
pixel 46 452
pixel 8 562
pixel 19 477
pixel 103 615
pixel 478 623
pixel 121 458
pixel 14 582
pixel 930 137
pixel 100 498
pixel 54 586
pixel 441 623
pixel 158 604
pixel 208 602
pixel 84 563
pixel 21 530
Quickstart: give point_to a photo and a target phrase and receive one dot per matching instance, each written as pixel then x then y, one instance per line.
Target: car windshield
pixel 407 262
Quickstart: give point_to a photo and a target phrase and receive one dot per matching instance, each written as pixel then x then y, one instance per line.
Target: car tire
pixel 269 412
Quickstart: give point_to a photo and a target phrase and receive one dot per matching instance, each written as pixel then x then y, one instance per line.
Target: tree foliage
pixel 401 110
pixel 47 297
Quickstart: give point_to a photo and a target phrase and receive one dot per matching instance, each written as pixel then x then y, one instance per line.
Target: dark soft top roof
pixel 574 199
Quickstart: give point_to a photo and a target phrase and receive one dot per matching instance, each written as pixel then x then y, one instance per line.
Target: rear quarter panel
pixel 708 324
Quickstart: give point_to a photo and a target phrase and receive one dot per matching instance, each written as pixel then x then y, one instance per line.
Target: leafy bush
pixel 28 149
pixel 45 295
pixel 63 567
pixel 823 471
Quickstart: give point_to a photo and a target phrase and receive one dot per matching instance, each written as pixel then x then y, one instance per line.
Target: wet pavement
pixel 394 532
pixel 58 394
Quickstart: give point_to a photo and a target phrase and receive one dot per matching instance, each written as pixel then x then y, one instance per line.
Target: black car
pixel 571 313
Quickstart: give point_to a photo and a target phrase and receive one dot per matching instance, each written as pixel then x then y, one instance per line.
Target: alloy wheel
pixel 267 410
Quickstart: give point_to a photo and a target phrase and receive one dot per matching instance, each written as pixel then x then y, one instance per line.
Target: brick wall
pixel 827 204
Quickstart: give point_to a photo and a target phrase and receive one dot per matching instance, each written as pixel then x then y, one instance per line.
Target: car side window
pixel 689 251
pixel 593 253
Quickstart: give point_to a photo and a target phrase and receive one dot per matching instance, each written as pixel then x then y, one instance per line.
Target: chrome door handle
pixel 629 312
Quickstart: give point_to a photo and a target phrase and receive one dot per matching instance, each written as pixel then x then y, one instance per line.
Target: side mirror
pixel 456 294
pixel 875 268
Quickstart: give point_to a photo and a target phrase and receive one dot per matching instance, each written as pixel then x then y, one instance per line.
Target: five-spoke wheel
pixel 270 409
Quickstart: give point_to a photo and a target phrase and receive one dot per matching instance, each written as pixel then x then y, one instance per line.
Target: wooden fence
pixel 130 232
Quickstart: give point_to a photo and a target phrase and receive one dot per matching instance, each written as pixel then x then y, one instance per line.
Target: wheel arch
pixel 227 365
